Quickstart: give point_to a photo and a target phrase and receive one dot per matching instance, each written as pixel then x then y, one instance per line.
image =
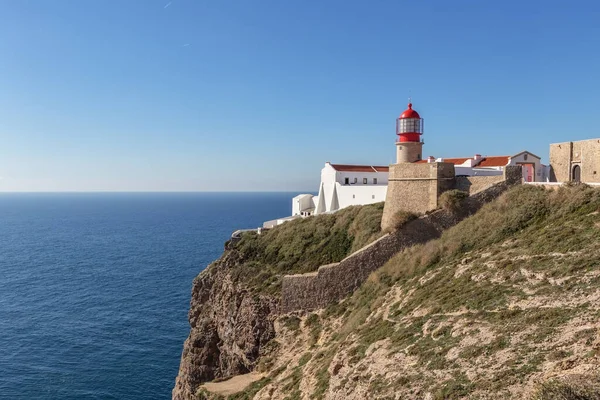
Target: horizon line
pixel 148 191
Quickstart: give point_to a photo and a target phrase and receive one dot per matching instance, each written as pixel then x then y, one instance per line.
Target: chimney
pixel 477 157
pixel 430 159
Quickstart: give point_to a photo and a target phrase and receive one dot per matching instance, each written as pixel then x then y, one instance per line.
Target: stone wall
pixel 475 184
pixel 513 174
pixel 564 156
pixel 560 161
pixel 586 153
pixel 333 282
pixel 416 188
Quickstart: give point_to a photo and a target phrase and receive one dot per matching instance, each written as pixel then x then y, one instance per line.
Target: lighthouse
pixel 409 128
pixel 413 186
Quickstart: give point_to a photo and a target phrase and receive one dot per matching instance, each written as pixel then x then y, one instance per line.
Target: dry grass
pixel 302 245
pixel 452 200
pixel 399 219
pixel 480 311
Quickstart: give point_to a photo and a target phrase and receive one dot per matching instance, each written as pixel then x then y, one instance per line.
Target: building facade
pixel 414 183
pixel 478 165
pixel 575 161
pixel 342 186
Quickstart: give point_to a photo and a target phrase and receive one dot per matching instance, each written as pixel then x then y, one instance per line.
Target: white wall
pixel 302 202
pixel 468 171
pixel 339 195
pixel 531 159
pixel 382 177
pixel 349 195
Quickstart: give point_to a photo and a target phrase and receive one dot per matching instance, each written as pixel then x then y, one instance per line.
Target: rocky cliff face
pixel 235 300
pixel 229 324
pixel 504 305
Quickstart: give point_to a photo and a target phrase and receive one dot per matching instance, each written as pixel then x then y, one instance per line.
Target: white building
pixel 342 186
pixel 533 169
pixel 347 185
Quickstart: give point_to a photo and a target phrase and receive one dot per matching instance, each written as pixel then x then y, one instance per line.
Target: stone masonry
pixel 333 282
pixel 564 157
pixel 415 188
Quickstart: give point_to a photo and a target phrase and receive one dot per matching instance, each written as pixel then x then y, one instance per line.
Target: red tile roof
pixel 359 168
pixel 456 161
pixel 498 161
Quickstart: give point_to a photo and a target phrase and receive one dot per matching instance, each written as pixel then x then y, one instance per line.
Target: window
pixel 374 181
pixel 353 196
pixel 409 125
pixel 364 181
pixel 373 196
pixel 355 180
pixel 346 181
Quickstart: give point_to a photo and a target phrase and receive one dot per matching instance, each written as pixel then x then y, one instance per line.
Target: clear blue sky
pixel 257 95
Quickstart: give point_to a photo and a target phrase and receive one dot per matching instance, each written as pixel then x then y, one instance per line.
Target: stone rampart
pixel 333 282
pixel 475 184
pixel 565 156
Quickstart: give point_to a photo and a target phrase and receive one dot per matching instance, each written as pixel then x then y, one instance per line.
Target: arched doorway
pixel 576 177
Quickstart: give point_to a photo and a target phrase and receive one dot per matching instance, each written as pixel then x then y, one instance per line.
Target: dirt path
pixel 232 385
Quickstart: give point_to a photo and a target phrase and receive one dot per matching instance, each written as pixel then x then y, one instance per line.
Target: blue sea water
pixel 95 288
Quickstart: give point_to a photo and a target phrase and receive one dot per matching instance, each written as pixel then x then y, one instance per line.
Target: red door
pixel 528 172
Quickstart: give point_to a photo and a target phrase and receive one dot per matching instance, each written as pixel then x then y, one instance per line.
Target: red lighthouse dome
pixel 409 126
pixel 410 113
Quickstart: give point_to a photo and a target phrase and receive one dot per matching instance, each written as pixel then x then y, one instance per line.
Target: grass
pixel 291 322
pixel 523 230
pixel 452 200
pixel 251 390
pixel 401 218
pixel 302 245
pixel 585 388
pixel 469 282
pixel 313 323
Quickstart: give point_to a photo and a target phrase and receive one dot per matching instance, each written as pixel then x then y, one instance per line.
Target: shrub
pixel 452 200
pixel 304 244
pixel 400 219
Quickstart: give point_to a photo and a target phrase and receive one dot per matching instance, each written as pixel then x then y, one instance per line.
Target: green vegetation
pixel 584 388
pixel 492 277
pixel 452 200
pixel 401 218
pixel 313 323
pixel 291 322
pixel 302 245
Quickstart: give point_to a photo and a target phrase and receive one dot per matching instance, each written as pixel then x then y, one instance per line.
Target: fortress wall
pixel 513 174
pixel 560 161
pixel 333 282
pixel 564 156
pixel 587 154
pixel 415 188
pixel 475 184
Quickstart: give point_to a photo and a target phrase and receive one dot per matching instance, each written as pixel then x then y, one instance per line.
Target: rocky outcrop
pixel 229 324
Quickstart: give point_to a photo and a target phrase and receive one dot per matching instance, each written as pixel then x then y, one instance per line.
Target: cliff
pixel 236 299
pixel 229 325
pixel 504 305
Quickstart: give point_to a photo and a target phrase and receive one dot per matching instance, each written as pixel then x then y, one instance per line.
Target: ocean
pixel 95 288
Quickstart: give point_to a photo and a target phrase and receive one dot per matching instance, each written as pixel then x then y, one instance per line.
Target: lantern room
pixel 409 126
